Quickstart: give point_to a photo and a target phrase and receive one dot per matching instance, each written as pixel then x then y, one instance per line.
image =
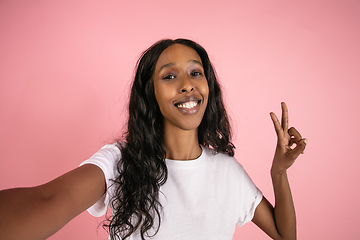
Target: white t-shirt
pixel 202 199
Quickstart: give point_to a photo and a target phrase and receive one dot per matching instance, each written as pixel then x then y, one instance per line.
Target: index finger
pixel 284 117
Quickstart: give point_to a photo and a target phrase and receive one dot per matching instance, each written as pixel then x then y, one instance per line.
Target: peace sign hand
pixel 286 154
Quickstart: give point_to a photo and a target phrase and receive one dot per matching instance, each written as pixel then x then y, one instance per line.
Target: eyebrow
pixel 172 64
pixel 166 66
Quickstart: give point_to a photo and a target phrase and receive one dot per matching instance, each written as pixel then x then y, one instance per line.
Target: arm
pixel 38 212
pixel 280 222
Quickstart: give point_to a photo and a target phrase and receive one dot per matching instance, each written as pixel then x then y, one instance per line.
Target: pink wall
pixel 65 68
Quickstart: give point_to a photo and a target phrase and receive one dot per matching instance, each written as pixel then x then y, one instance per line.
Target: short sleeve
pixel 106 159
pixel 250 198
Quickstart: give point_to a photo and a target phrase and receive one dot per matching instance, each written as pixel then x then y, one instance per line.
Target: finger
pixel 276 123
pixel 284 117
pixel 295 134
pixel 292 142
pixel 300 148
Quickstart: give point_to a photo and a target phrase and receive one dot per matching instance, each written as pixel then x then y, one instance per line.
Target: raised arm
pixel 280 222
pixel 38 212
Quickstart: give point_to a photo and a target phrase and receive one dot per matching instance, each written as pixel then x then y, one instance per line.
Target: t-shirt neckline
pixel 187 163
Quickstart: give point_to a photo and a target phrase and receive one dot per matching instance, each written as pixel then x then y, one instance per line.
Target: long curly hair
pixel 142 168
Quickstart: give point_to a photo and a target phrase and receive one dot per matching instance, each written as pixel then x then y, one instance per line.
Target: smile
pixel 187 105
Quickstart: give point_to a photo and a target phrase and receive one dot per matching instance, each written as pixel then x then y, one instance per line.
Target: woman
pixel 174 176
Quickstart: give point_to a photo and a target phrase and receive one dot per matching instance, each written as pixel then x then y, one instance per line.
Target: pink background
pixel 66 66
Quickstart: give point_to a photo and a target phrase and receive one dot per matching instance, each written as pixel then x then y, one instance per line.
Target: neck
pixel 181 144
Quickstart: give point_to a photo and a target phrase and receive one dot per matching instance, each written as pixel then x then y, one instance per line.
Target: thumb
pixel 300 148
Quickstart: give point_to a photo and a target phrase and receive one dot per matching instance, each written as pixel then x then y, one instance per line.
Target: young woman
pixel 173 176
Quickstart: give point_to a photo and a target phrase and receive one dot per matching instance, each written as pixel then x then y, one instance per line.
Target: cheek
pixel 204 90
pixel 163 95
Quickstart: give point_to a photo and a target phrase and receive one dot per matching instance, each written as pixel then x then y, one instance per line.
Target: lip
pixel 191 98
pixel 188 111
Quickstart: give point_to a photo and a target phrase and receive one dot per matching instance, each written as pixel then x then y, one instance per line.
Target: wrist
pixel 276 172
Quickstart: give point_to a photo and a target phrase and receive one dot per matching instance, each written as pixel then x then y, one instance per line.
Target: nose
pixel 186 84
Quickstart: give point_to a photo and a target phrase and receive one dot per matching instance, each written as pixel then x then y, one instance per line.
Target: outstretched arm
pixel 279 222
pixel 38 212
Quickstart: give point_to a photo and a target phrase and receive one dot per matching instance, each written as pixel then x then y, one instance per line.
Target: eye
pixel 196 73
pixel 169 77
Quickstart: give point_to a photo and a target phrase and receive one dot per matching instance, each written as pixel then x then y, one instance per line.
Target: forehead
pixel 177 53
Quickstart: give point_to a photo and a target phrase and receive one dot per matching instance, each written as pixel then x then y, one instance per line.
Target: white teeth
pixel 187 105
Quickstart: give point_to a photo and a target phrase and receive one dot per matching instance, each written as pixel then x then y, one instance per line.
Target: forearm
pixel 284 211
pixel 38 212
pixel 26 214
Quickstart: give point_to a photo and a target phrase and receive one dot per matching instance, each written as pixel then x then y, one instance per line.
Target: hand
pixel 286 153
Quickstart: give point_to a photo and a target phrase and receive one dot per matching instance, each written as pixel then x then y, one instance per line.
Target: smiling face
pixel 181 88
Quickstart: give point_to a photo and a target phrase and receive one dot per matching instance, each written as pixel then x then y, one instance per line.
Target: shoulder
pixel 110 149
pixel 223 161
pixel 109 152
pixel 106 159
